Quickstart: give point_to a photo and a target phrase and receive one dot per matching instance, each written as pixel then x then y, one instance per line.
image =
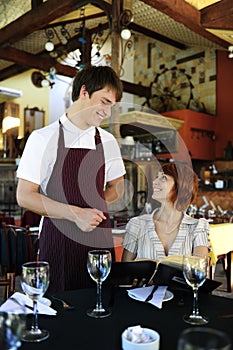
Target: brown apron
pixel 78 179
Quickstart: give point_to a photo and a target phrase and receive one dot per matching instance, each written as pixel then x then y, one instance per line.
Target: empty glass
pixel 34 283
pixel 99 265
pixel 194 271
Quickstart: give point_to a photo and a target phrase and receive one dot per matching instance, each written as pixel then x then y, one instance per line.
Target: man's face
pixel 99 106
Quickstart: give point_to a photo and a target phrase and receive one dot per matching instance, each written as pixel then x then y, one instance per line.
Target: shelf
pixel 152 122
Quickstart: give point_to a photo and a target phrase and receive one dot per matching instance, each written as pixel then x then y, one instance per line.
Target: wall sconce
pixel 65 35
pixel 40 80
pixel 230 49
pixel 126 17
pixel 9 123
pixel 49 45
pixel 51 33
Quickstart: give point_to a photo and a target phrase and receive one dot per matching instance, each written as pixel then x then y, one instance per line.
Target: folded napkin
pixel 142 293
pixel 24 300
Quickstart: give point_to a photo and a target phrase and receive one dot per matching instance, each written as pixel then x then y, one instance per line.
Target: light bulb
pixel 125 34
pixel 49 46
pixel 44 83
pixel 230 55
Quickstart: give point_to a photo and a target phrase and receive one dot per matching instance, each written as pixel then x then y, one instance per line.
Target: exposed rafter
pixel 218 16
pixel 42 14
pixel 36 19
pixel 189 16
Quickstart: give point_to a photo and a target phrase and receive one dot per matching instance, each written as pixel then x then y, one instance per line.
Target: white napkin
pixel 142 293
pixel 24 300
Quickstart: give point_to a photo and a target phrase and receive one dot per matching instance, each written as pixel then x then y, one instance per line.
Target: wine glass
pixel 194 271
pixel 34 283
pixel 98 266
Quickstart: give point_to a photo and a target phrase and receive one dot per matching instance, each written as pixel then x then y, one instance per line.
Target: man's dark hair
pixel 96 78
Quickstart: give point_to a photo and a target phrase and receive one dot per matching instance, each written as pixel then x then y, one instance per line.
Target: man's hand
pixel 88 219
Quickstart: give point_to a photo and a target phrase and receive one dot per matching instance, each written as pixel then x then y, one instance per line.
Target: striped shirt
pixel 142 239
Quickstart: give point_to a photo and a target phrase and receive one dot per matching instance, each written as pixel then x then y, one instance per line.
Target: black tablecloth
pixel 75 327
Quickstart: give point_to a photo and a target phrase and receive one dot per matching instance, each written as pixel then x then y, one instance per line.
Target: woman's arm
pixel 127 255
pixel 201 251
pixel 201 234
pixel 28 196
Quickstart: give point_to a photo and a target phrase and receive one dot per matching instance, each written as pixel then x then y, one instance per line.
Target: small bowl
pixel 153 345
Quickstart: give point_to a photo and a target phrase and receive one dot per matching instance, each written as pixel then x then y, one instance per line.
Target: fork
pixel 65 305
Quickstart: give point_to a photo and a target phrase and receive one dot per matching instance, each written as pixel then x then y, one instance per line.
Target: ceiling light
pixel 49 46
pixel 230 49
pixel 125 34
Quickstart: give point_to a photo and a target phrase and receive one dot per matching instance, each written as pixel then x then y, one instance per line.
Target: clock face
pixel 171 90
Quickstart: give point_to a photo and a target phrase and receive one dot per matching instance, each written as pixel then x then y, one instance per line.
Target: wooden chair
pixel 14 251
pixel 32 238
pixel 131 274
pixel 18 245
pixel 30 218
pixel 8 284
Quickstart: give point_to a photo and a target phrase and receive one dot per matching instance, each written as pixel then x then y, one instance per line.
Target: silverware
pixel 150 296
pixel 21 304
pixel 65 305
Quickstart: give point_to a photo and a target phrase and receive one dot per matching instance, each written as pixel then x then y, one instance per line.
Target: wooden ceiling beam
pixel 37 18
pixel 11 71
pixel 151 34
pixel 184 13
pixel 218 15
pixel 34 61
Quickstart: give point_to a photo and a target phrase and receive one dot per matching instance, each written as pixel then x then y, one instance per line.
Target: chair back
pixel 32 237
pixel 30 218
pixel 13 248
pixel 8 284
pixel 18 245
pixel 124 273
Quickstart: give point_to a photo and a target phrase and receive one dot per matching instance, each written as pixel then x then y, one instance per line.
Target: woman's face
pixel 162 186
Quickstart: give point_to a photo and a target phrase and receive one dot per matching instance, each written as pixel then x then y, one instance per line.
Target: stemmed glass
pixel 34 283
pixel 194 271
pixel 99 265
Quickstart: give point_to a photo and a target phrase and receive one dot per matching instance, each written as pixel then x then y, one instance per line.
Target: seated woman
pixel 168 230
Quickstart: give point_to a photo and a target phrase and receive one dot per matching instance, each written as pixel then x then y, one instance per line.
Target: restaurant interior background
pixel 189 83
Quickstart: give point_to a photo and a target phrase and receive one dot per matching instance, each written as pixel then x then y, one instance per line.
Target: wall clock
pixel 171 90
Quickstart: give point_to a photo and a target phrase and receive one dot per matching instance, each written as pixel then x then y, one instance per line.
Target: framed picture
pixel 33 119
